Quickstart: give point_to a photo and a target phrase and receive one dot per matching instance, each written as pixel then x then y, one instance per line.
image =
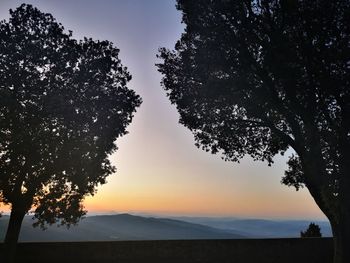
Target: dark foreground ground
pixel 296 250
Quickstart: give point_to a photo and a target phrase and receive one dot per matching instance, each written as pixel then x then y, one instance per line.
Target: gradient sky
pixel 159 170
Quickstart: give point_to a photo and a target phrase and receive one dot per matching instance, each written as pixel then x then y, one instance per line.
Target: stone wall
pixel 296 250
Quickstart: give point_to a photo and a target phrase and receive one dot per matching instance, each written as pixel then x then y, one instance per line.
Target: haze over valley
pixel 131 227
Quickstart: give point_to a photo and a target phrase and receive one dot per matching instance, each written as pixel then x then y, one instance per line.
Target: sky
pixel 159 170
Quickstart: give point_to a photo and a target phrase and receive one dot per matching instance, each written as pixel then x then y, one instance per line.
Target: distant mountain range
pixel 119 227
pixel 132 227
pixel 260 228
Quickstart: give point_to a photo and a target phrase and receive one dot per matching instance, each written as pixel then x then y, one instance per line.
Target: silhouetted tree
pixel 63 103
pixel 312 231
pixel 257 77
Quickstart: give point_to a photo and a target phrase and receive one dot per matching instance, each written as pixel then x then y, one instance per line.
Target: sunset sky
pixel 159 170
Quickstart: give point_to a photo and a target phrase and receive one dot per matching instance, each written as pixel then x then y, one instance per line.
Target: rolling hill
pixel 120 227
pixel 259 228
pixel 132 227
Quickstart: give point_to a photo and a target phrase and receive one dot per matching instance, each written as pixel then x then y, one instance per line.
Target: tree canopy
pixel 313 230
pixel 256 77
pixel 63 104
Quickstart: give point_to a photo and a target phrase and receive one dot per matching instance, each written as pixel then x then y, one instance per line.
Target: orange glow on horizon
pixel 199 206
pixel 152 203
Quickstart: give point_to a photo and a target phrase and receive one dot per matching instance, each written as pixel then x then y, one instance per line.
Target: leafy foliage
pixel 63 103
pixel 312 231
pixel 256 77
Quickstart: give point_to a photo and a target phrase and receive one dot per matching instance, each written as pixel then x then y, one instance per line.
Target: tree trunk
pixel 12 233
pixel 341 237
